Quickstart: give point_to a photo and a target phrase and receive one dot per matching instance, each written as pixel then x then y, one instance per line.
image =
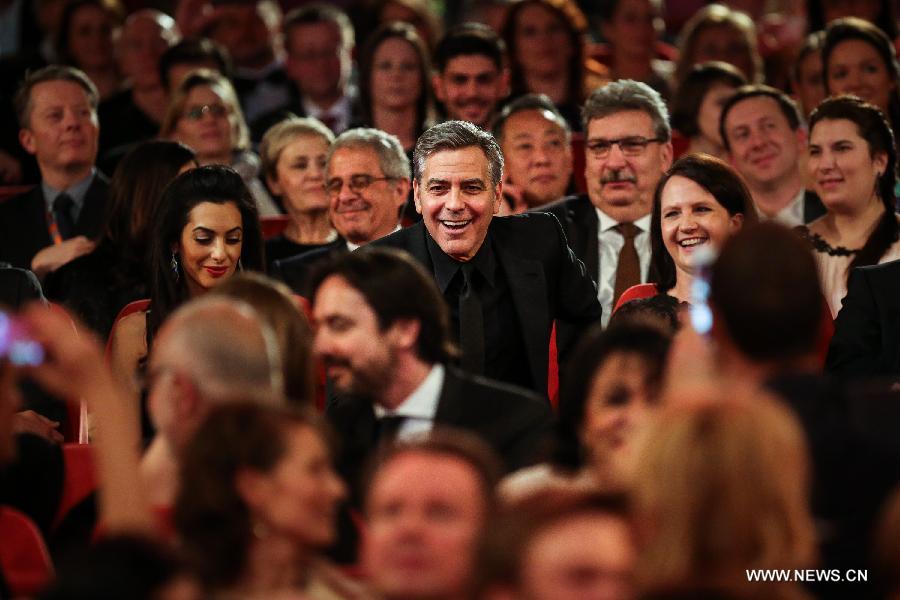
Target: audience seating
pixel 79 480
pixel 273 226
pixel 24 558
pixel 578 160
pixel 8 191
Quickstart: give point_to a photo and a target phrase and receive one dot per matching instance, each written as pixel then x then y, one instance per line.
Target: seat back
pixel 272 226
pixel 79 479
pixel 24 558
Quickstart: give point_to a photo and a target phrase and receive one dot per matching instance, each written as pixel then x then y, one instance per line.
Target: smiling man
pixel 367 182
pixel 54 223
pixel 506 279
pixel 627 148
pixel 762 132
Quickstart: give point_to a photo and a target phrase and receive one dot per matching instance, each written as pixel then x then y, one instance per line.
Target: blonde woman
pixel 205 115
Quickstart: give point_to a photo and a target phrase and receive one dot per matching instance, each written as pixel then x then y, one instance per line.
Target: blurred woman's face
pixel 542 42
pixel 691 217
pixel 855 67
pixel 299 497
pixel 843 171
pixel 810 84
pixel 620 402
pixel 396 78
pixel 711 110
pixel 90 38
pixel 300 174
pixel 210 245
pixel 724 43
pixel 634 28
pixel 207 125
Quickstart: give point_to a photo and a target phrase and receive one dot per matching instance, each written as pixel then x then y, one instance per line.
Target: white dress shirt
pixel 419 408
pixel 792 214
pixel 610 243
pixel 340 110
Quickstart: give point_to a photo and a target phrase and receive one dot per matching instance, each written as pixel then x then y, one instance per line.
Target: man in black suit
pixel 761 129
pixel 627 148
pixel 506 280
pixel 52 224
pixel 866 340
pixel 367 182
pixel 382 335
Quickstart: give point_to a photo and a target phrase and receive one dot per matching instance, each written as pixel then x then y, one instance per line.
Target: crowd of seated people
pixel 355 299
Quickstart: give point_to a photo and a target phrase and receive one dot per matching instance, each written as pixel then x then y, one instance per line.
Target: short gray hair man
pixel 456 135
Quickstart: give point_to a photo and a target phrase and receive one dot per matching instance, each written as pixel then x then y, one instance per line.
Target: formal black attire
pixel 262 123
pixel 545 281
pixel 24 229
pixel 866 341
pixel 280 248
pixel 295 271
pixel 122 127
pixel 812 206
pixel 513 421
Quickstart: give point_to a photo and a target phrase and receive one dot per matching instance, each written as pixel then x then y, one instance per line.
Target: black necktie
pixel 387 428
pixel 62 212
pixel 471 323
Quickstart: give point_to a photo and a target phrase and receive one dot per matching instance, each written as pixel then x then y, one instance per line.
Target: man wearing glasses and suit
pixel 367 181
pixel 627 149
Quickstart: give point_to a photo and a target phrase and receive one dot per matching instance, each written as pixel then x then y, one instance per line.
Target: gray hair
pixel 456 135
pixel 22 101
pixel 539 102
pixel 391 157
pixel 624 95
pixel 279 135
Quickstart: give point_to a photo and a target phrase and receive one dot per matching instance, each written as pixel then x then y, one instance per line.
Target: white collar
pixel 422 402
pixel 606 222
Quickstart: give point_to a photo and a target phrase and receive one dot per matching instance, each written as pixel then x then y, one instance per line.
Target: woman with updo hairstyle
pixel 717 32
pixel 852 166
pixel 545 44
pixel 257 504
pixel 293 155
pixel 204 113
pixel 395 83
pixel 722 486
pixel 85 41
pixel 697 106
pixel 206 229
pixel 98 285
pixel 859 59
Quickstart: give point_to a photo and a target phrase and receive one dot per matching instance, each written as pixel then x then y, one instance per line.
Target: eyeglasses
pixel 630 146
pixel 357 184
pixel 196 113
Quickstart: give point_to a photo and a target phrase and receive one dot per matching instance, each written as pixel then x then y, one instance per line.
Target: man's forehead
pixel 58 92
pixel 314 34
pixel 620 124
pixel 532 122
pixel 354 160
pixel 471 65
pixel 753 109
pixel 458 163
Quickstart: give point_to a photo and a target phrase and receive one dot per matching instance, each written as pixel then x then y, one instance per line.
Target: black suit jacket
pixel 23 222
pixel 866 339
pixel 295 271
pixel 546 280
pixel 512 420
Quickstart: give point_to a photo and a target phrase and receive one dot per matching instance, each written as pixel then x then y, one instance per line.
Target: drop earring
pixel 173 264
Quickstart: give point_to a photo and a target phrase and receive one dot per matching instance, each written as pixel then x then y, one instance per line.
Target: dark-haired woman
pixel 699 203
pixel 698 104
pixel 257 504
pixel 207 227
pixel 98 285
pixel 852 163
pixel 85 41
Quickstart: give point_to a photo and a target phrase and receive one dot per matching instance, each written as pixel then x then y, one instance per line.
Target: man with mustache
pixel 367 181
pixel 55 222
pixel 471 77
pixel 762 132
pixel 627 149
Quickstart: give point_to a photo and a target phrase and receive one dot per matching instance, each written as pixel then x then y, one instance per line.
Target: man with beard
pixel 471 77
pixel 627 149
pixel 382 333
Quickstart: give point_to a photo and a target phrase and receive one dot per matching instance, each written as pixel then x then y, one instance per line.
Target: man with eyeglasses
pixel 367 182
pixel 627 149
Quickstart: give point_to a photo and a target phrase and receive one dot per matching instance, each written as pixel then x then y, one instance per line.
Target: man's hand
pixel 53 257
pixel 29 421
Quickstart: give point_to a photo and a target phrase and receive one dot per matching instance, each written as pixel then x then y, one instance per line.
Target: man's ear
pixel 802 137
pixel 498 196
pixel 418 202
pixel 402 191
pixel 404 333
pixel 26 138
pixel 505 78
pixel 666 153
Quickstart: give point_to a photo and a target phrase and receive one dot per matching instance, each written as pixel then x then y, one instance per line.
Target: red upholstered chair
pixel 79 479
pixel 24 558
pixel 272 226
pixel 578 161
pixel 636 292
pixel 8 191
